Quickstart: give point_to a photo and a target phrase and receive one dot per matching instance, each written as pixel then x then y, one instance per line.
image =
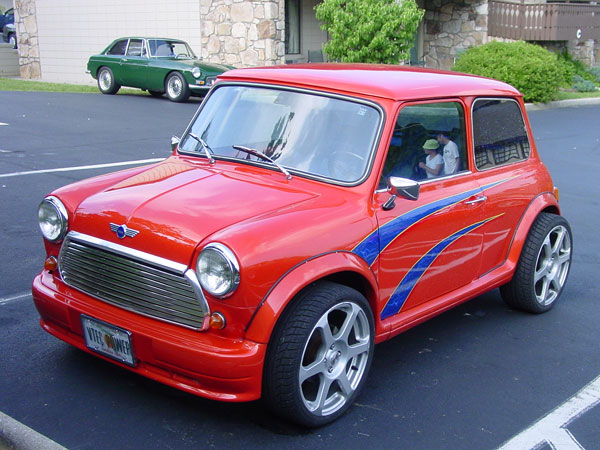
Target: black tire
pixel 156 93
pixel 543 266
pixel 106 81
pixel 176 88
pixel 337 362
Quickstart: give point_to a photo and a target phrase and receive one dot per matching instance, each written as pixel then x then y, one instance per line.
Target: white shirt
pixel 433 163
pixel 450 158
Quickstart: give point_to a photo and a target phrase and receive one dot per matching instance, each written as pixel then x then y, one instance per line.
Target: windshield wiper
pixel 264 157
pixel 207 150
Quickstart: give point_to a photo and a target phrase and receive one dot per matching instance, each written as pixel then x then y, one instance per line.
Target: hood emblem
pixel 123 231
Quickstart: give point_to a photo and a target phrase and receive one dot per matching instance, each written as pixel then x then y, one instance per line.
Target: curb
pixel 563 104
pixel 17 436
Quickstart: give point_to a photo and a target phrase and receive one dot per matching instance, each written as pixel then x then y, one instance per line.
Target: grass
pixel 567 95
pixel 15 84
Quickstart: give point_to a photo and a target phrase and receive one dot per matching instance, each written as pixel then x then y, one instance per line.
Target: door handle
pixel 481 198
pixel 124 60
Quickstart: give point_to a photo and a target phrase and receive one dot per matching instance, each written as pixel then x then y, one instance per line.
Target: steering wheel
pixel 345 165
pixel 182 55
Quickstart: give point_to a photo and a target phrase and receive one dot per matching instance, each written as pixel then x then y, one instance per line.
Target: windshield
pixel 308 133
pixel 170 49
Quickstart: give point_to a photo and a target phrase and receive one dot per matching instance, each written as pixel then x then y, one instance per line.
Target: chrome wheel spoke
pixel 348 324
pixel 359 349
pixel 322 395
pixel 345 385
pixel 316 368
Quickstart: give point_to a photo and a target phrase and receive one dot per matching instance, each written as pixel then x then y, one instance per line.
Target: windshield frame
pixel 293 171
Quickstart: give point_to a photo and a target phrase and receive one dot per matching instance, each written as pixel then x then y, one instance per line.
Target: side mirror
pixel 174 142
pixel 403 187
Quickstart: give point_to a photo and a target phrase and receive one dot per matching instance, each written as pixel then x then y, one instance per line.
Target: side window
pixel 118 48
pixel 499 133
pixel 428 142
pixel 135 47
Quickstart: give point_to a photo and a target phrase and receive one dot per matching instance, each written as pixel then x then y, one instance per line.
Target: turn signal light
pixel 217 321
pixel 51 263
pixel 556 192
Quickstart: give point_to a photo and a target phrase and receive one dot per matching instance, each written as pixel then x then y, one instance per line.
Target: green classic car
pixel 157 65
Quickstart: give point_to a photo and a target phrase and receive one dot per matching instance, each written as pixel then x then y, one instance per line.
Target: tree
pixel 369 31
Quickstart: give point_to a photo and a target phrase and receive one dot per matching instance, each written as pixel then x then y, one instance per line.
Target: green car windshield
pixel 163 48
pixel 307 133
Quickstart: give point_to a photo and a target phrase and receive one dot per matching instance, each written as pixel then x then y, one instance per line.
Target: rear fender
pixel 544 202
pixel 297 278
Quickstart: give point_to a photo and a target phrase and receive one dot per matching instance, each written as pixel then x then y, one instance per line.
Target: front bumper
pixel 202 363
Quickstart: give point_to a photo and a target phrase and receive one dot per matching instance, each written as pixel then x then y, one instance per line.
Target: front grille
pixel 131 280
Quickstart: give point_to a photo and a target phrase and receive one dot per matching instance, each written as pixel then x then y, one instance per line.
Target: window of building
pixel 499 133
pixel 292 27
pixel 440 125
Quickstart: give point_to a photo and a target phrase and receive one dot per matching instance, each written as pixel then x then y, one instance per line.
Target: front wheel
pixel 543 266
pixel 177 88
pixel 106 81
pixel 320 355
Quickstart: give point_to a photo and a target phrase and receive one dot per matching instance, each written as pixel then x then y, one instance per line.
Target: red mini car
pixel 308 213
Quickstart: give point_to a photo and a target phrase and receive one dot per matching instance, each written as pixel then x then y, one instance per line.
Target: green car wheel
pixel 106 81
pixel 177 88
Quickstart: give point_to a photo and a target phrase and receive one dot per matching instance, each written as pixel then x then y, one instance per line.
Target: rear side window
pixel 499 133
pixel 118 48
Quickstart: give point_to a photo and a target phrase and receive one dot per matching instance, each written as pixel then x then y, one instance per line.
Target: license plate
pixel 108 340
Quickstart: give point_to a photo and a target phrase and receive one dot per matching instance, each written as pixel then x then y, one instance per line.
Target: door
pixel 134 64
pixel 431 246
pixel 508 181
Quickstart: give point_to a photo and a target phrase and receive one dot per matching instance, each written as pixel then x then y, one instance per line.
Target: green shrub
pixel 574 67
pixel 584 86
pixel 369 31
pixel 533 70
pixel 595 71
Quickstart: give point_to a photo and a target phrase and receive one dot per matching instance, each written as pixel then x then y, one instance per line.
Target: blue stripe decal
pixel 370 247
pixel 400 295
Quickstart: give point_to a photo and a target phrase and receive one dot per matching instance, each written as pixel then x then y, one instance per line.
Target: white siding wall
pixel 70 31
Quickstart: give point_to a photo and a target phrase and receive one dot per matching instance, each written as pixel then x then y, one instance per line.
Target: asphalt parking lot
pixel 477 377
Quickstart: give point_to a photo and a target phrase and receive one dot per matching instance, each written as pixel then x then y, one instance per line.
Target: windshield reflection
pixel 308 133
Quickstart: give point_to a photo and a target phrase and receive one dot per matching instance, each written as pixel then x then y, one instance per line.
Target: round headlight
pixel 196 72
pixel 218 270
pixel 53 219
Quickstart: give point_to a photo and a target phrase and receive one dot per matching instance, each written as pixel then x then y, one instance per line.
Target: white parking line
pixel 552 428
pixel 69 169
pixel 13 298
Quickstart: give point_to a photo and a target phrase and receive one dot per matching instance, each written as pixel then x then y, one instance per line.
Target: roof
pixel 393 82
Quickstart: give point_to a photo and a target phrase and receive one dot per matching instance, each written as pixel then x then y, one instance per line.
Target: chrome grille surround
pixel 133 280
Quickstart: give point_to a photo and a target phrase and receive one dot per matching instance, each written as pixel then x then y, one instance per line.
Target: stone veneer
pixel 451 27
pixel 243 33
pixel 27 35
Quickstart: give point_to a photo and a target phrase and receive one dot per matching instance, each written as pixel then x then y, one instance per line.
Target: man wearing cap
pixel 450 152
pixel 433 162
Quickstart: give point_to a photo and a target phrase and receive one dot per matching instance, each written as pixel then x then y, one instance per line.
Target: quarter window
pixel 118 48
pixel 499 133
pixel 439 125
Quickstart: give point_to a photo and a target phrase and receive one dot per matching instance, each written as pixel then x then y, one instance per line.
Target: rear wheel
pixel 106 81
pixel 543 266
pixel 320 355
pixel 177 88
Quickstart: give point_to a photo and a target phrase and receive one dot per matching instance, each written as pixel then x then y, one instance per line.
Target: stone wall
pixel 27 35
pixel 243 33
pixel 450 27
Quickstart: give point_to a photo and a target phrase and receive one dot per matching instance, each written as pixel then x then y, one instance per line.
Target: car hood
pixel 175 205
